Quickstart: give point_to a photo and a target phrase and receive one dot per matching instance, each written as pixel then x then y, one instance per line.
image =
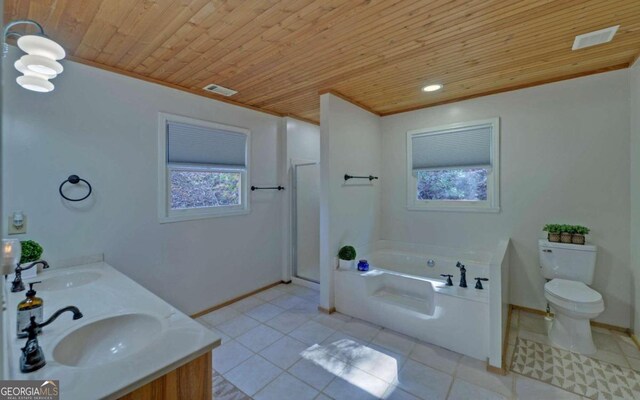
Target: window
pixel 203 169
pixel 454 167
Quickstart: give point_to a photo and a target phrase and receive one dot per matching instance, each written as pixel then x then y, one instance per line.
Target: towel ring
pixel 74 180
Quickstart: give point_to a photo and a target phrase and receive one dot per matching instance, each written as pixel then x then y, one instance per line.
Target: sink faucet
pixel 32 358
pixel 17 285
pixel 463 274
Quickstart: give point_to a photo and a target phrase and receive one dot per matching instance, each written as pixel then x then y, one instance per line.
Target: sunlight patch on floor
pixel 354 363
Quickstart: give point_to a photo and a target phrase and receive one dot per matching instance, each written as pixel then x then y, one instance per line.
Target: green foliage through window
pixel 453 184
pixel 197 189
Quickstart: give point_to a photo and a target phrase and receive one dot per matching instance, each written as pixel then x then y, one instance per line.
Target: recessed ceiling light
pixel 432 88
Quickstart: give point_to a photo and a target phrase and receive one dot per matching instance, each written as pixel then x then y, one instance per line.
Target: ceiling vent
pixel 594 38
pixel 221 90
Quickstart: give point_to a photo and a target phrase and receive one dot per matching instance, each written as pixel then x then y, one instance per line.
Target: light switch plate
pixel 17 231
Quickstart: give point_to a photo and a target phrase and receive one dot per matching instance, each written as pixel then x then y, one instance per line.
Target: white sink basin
pixel 68 280
pixel 107 340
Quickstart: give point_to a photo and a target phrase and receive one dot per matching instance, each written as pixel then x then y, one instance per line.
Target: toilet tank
pixel 567 261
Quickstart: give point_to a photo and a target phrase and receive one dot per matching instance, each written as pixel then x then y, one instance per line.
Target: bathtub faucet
pixel 463 274
pixel 448 276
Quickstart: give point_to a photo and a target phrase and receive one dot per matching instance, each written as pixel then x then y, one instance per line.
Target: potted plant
pixel 31 251
pixel 566 232
pixel 347 255
pixel 553 232
pixel 578 235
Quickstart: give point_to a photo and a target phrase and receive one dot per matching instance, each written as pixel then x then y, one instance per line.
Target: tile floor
pixel 575 372
pixel 614 347
pixel 276 345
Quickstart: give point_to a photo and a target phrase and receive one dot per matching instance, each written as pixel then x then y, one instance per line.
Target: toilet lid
pixel 572 291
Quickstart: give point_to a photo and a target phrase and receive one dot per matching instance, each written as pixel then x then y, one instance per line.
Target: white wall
pixel 2 310
pixel 103 127
pixel 565 158
pixel 351 142
pixel 303 140
pixel 634 80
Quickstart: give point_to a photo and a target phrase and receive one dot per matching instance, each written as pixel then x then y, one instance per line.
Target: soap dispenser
pixel 31 306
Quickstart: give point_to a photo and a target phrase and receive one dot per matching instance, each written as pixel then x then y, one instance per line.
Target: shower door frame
pixel 294 224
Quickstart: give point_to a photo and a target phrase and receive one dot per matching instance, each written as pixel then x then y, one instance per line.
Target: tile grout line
pixel 291 337
pixel 310 317
pixel 454 376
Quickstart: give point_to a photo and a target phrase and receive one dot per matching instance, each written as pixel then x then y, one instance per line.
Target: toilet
pixel 569 269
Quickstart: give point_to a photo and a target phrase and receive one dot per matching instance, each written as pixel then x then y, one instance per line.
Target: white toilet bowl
pixel 574 304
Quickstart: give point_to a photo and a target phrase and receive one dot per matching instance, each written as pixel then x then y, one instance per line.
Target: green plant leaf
pixel 347 253
pixel 31 251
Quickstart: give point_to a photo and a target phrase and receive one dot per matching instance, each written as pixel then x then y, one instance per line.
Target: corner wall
pixel 564 158
pixel 104 127
pixel 634 82
pixel 350 141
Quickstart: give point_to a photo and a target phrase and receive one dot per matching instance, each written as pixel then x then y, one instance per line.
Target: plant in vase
pixel 566 232
pixel 31 251
pixel 553 232
pixel 578 235
pixel 347 255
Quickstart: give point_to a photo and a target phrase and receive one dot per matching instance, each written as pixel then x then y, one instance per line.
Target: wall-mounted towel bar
pixel 267 188
pixel 370 177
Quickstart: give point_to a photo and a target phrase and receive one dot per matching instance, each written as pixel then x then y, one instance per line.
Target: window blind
pixel 191 144
pixel 456 148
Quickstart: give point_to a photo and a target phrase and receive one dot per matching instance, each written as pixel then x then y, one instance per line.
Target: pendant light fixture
pixel 40 64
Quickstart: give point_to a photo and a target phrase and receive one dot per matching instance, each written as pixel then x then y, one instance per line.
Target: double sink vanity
pixel 128 344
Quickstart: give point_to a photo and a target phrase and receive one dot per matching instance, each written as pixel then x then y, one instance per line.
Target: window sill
pixel 490 210
pixel 192 217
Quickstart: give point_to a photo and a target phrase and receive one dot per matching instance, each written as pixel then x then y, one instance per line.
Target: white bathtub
pixel 402 292
pixel 417 264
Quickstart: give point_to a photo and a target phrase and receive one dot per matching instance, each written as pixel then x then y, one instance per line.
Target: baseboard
pixel 326 311
pixel 635 339
pixel 235 299
pixel 496 370
pixel 611 327
pixel 505 345
pixel 593 323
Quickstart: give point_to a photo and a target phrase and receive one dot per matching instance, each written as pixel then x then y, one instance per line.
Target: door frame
pixel 294 228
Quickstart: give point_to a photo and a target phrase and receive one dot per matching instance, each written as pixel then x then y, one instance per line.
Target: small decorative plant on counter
pixel 566 231
pixel 347 255
pixel 578 235
pixel 553 232
pixel 31 251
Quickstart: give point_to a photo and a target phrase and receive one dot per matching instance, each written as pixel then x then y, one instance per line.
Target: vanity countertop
pixel 107 364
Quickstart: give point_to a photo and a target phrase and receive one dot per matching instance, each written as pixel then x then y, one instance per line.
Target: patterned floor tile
pixel 574 372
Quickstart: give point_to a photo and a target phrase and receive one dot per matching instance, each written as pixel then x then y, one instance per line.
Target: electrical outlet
pixel 13 230
pixel 7 269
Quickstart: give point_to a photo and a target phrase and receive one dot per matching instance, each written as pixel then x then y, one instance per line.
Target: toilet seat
pixel 574 296
pixel 572 291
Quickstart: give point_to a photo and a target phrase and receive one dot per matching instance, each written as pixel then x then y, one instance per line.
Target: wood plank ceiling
pixel 279 54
